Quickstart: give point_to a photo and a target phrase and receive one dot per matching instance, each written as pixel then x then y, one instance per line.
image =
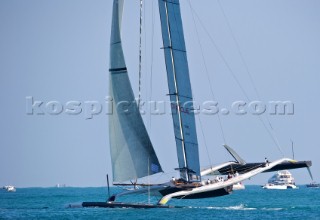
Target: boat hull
pixel 313 185
pixel 288 186
pixel 124 205
pixel 238 186
pixel 199 195
pixel 9 188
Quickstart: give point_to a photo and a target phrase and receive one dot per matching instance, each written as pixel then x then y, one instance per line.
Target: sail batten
pixel 132 153
pixel 179 89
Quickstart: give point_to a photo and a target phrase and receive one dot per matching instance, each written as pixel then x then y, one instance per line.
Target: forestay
pixel 132 153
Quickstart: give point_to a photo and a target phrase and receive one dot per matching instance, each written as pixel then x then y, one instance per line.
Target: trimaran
pixel 132 153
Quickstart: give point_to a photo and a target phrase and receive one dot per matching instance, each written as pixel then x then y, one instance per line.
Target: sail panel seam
pixel 176 94
pixel 118 42
pixel 171 48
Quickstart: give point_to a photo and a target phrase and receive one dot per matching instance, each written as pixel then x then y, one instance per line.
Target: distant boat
pixel 58 185
pixel 281 180
pixel 9 188
pixel 313 185
pixel 238 186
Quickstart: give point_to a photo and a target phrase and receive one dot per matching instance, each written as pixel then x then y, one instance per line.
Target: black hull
pixel 124 205
pixel 201 195
pixel 313 186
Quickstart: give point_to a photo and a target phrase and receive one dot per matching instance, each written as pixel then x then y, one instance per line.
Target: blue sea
pixel 251 203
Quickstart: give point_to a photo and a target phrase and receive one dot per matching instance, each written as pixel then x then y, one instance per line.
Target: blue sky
pixel 58 51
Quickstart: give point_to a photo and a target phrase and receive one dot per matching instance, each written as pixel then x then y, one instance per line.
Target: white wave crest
pixel 237 207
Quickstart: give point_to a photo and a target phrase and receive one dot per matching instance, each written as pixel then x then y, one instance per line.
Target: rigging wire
pixel 206 70
pixel 238 50
pixel 211 89
pixel 250 75
pixel 221 55
pixel 145 66
pixel 140 51
pixel 273 137
pixel 151 63
pixel 205 142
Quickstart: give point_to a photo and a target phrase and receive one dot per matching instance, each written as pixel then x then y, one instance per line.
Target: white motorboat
pixel 9 188
pixel 238 186
pixel 274 186
pixel 281 180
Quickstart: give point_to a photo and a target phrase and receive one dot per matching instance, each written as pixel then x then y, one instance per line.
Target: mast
pixel 175 94
pixel 179 90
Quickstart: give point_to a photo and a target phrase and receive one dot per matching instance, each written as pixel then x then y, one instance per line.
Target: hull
pixel 271 186
pixel 292 187
pixel 124 205
pixel 9 188
pixel 313 185
pixel 199 195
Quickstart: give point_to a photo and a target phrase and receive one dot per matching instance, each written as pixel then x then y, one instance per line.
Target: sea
pixel 251 203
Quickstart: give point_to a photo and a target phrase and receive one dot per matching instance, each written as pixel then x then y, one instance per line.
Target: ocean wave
pixel 237 207
pixel 272 209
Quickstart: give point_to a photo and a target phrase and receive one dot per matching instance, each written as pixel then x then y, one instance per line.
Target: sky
pixel 57 52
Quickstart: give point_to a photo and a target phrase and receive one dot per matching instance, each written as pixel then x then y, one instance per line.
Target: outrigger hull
pixel 125 205
pixel 200 195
